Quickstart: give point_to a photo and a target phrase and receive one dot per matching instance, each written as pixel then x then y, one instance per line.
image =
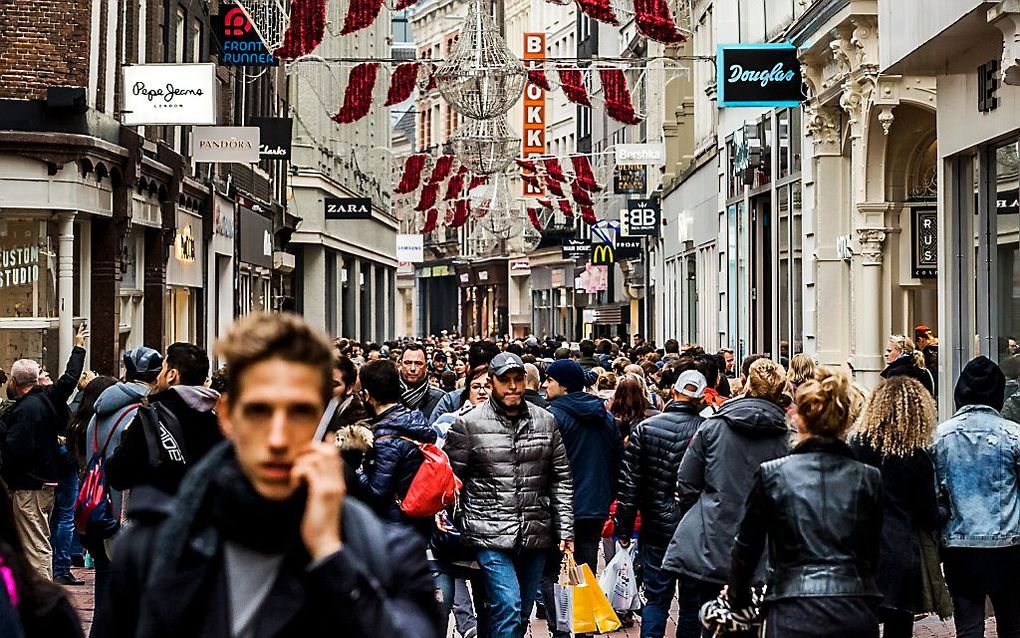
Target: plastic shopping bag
pixel 592 613
pixel 618 582
pixel 563 593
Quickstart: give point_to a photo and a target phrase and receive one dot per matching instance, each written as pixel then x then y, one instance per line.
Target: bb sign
pixel 759 75
pixel 641 217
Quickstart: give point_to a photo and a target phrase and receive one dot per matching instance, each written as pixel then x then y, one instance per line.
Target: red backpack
pixel 434 486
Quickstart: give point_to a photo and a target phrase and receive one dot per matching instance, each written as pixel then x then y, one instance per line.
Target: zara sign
pixel 759 75
pixel 348 208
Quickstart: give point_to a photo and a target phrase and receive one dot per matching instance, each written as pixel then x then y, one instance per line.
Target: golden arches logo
pixel 603 254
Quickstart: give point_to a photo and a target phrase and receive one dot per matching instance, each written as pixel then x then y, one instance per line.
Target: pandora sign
pixel 225 144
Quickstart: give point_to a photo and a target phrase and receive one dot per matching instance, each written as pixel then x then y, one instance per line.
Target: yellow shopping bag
pixel 592 613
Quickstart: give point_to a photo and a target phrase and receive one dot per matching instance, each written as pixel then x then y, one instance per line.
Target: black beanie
pixel 981 383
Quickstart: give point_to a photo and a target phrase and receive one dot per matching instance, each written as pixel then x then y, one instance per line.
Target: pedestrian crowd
pixel 312 488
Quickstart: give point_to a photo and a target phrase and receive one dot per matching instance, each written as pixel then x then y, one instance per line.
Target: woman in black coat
pixel 892 435
pixel 904 360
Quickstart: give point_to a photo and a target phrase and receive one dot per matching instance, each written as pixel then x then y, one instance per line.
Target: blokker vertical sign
pixel 533 127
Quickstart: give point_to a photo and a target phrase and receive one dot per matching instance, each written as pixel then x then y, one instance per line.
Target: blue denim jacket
pixel 977 461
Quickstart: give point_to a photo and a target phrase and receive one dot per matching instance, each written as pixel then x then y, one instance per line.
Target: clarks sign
pixel 169 94
pixel 759 75
pixel 274 137
pixel 225 144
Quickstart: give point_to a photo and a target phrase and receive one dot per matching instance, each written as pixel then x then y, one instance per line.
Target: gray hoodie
pixel 114 403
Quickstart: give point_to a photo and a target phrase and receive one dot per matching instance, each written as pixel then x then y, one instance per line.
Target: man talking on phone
pixel 262 540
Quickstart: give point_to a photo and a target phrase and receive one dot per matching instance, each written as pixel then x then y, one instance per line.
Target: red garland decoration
pixel 413 167
pixel 553 168
pixel 305 31
pixel 428 197
pixel 442 169
pixel 588 215
pixel 528 165
pixel 361 14
pixel 456 184
pixel 655 21
pixel 580 195
pixel 531 180
pixel 545 203
pixel 583 174
pixel 565 208
pixel 403 4
pixel 533 217
pixel 553 186
pixel 599 10
pixel 461 212
pixel 431 85
pixel 476 181
pixel 431 218
pixel 358 95
pixel 539 79
pixel 619 104
pixel 573 86
pixel 405 76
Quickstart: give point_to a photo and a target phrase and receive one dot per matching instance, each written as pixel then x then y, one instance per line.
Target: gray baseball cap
pixel 143 360
pixel 688 378
pixel 505 362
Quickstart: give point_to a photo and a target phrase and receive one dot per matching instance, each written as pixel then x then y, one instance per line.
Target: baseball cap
pixel 142 360
pixel 691 377
pixel 505 362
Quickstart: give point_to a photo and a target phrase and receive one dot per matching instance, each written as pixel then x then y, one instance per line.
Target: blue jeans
pixel 511 581
pixel 660 586
pixel 62 523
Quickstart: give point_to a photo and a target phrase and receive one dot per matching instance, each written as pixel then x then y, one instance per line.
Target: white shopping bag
pixel 563 593
pixel 618 582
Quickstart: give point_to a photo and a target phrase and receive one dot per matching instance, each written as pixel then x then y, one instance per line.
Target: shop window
pixel 1006 251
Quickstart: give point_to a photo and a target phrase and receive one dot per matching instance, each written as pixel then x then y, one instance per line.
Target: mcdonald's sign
pixel 602 255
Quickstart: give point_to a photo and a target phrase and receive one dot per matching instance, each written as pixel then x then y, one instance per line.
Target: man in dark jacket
pixel 30 456
pixel 385 478
pixel 533 379
pixel 516 499
pixel 650 464
pixel 587 360
pixel 346 407
pixel 180 390
pixel 418 393
pixel 262 539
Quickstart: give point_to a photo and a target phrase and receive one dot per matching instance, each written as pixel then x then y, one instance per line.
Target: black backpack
pixel 164 437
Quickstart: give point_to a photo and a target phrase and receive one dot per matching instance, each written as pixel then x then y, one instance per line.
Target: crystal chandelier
pixel 486 146
pixel 494 207
pixel 482 78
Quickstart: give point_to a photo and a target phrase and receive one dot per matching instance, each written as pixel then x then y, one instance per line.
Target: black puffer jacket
pixel 648 479
pixel 517 484
pixel 715 476
pixel 905 366
pixel 821 512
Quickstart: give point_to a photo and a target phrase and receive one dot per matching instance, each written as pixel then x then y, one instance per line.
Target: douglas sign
pixel 759 75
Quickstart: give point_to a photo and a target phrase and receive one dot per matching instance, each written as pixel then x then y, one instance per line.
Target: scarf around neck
pixel 413 397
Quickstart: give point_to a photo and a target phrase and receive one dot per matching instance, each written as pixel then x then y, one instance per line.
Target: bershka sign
pixel 410 248
pixel 533 127
pixel 348 208
pixel 643 154
pixel 759 75
pixel 236 41
pixel 169 94
pixel 225 144
pixel 275 134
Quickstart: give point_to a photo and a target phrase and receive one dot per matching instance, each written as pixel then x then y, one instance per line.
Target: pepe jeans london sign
pixel 169 94
pixel 225 144
pixel 759 75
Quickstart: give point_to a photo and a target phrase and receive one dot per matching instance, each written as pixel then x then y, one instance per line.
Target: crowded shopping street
pixel 509 318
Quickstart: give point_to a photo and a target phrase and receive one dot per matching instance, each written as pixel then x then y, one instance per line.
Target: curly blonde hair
pixel 607 381
pixel 766 379
pixel 824 403
pixel 899 418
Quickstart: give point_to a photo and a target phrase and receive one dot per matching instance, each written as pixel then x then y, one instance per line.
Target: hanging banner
pixel 225 144
pixel 925 236
pixel 348 208
pixel 235 40
pixel 759 75
pixel 169 94
pixel 274 137
pixel 533 127
pixel 410 248
pixel 630 180
pixel 628 248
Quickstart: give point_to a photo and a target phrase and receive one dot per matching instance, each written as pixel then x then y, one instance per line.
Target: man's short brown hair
pixel 262 336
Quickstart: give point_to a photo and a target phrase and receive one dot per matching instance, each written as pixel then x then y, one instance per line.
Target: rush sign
pixel 533 127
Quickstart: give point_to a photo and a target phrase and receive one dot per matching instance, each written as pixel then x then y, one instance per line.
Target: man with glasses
pixel 417 393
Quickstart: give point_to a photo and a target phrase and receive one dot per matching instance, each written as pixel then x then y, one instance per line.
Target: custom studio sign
pixel 169 94
pixel 225 144
pixel 348 208
pixel 759 75
pixel 275 135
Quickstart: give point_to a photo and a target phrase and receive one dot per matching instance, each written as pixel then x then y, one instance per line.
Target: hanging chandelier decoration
pixel 486 146
pixel 495 207
pixel 482 78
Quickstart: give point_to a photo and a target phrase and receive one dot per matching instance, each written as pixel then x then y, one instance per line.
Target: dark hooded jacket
pixel 193 406
pixel 714 479
pixel 594 447
pixel 905 366
pixel 648 479
pixel 390 468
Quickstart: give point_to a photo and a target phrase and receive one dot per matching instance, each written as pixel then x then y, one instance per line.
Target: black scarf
pixel 413 397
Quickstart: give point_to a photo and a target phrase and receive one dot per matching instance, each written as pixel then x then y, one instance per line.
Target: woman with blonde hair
pixel 893 435
pixel 802 368
pixel 904 360
pixel 820 510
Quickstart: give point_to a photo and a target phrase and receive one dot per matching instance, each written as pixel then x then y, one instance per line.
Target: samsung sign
pixel 759 75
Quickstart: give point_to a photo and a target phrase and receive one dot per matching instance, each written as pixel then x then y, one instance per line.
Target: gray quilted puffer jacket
pixel 517 485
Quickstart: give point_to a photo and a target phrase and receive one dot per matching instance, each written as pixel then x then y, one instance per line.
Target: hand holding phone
pixel 320 469
pixel 81 335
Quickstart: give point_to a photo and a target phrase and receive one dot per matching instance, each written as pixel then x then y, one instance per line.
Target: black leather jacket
pixel 648 480
pixel 821 511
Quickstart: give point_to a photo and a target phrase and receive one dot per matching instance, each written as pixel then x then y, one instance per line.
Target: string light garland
pixel 442 170
pixel 553 186
pixel 619 104
pixel 533 218
pixel 655 21
pixel 553 169
pixel 431 218
pixel 588 215
pixel 584 176
pixel 456 184
pixel 428 197
pixel 580 196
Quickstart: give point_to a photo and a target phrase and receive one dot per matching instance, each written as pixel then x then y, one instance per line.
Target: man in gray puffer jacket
pixel 516 502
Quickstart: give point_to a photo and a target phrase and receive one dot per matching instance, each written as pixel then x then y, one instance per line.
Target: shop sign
pixel 557 278
pixel 1007 202
pixel 19 265
pixel 603 254
pixel 630 180
pixel 225 144
pixel 642 217
pixel 628 248
pixel 483 275
pixel 237 43
pixel 256 238
pixel 759 75
pixel 844 247
pixel 520 265
pixel 533 126
pixel 642 154
pixel 576 249
pixel 465 278
pixel 223 219
pixel 169 94
pixel 184 244
pixel 184 267
pixel 595 278
pixel 410 248
pixel 275 135
pixel 924 235
pixel 348 208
